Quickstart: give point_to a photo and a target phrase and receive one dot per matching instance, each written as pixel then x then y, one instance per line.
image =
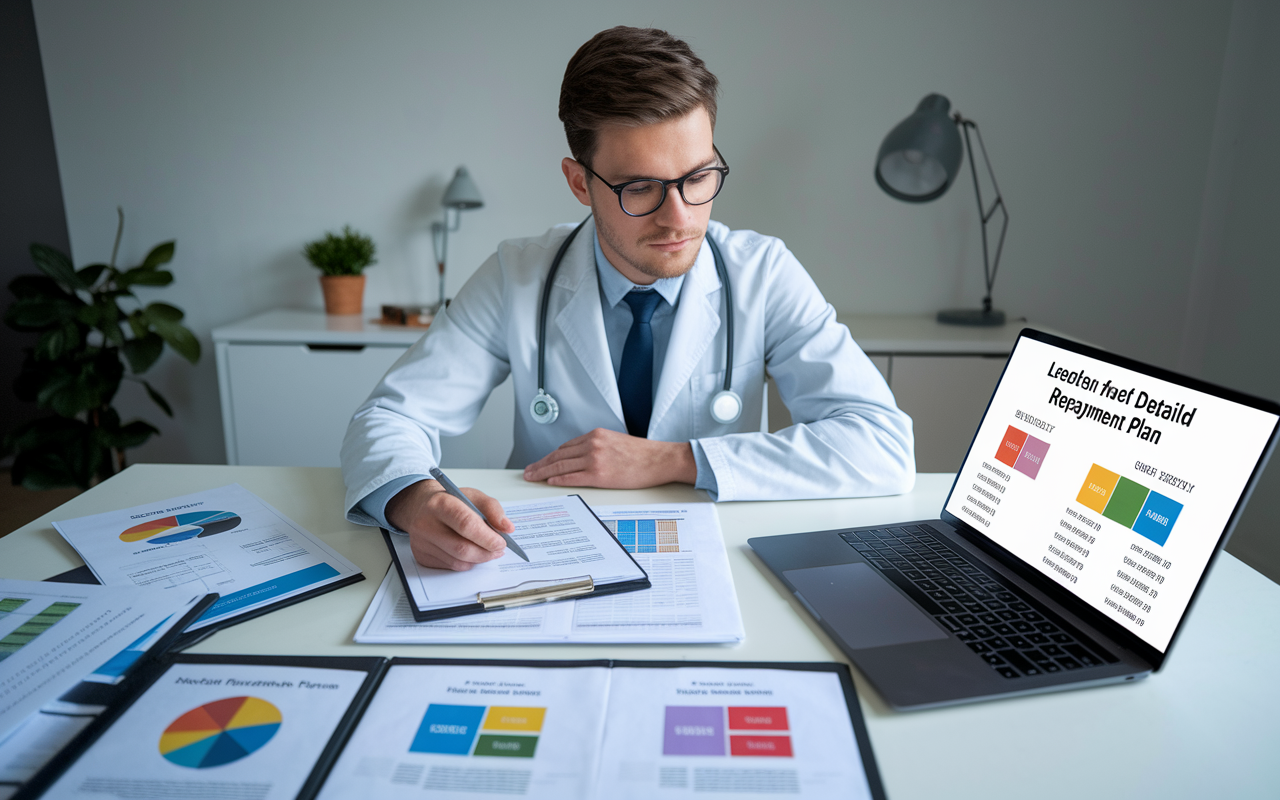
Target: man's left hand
pixel 608 459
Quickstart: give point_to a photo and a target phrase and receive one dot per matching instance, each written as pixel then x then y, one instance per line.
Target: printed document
pixel 679 546
pixel 217 731
pixel 226 540
pixel 54 635
pixel 562 538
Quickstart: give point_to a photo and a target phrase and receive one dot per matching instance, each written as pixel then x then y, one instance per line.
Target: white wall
pixel 244 129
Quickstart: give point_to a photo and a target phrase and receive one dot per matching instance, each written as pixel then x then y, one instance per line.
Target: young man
pixel 635 342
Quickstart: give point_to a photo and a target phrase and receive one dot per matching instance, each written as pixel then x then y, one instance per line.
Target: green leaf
pixel 122 437
pixel 140 276
pixel 138 324
pixel 162 312
pixel 65 340
pixel 160 254
pixel 56 265
pixel 141 353
pixel 54 452
pixel 27 287
pixel 158 399
pixel 39 314
pixel 89 275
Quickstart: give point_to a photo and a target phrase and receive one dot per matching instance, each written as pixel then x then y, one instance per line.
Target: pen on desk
pixel 452 488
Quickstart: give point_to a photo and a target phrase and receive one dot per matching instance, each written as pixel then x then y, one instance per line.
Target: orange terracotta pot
pixel 343 294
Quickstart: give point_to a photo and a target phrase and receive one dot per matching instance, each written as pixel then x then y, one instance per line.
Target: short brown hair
pixel 631 76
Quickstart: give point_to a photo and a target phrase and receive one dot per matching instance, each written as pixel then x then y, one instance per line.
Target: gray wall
pixel 244 129
pixel 31 200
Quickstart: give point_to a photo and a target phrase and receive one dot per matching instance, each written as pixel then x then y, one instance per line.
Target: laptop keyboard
pixel 1013 635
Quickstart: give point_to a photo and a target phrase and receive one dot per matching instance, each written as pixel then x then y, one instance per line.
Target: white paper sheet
pixel 692 599
pixel 450 731
pixel 691 731
pixel 224 540
pixel 53 635
pixel 561 537
pixel 264 727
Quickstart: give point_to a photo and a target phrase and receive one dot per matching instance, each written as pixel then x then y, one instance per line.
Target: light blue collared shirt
pixel 614 286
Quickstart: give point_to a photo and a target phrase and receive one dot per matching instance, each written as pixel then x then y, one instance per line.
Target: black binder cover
pixel 430 615
pixel 375 666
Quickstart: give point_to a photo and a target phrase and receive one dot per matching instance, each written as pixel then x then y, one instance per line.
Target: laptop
pixel 1091 504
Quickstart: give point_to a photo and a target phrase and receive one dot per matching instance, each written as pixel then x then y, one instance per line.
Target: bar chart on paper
pixel 646 535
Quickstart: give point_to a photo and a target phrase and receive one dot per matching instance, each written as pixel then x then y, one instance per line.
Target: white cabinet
pixel 290 380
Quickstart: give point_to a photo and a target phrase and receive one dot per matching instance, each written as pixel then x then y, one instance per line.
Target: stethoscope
pixel 726 405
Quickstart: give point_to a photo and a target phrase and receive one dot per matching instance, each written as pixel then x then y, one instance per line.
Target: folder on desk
pixel 571 555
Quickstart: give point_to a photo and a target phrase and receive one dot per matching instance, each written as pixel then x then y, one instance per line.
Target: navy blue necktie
pixel 635 377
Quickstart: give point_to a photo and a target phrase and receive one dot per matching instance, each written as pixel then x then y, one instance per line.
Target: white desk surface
pixel 1202 727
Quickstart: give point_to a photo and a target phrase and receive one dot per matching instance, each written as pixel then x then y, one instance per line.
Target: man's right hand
pixel 443 532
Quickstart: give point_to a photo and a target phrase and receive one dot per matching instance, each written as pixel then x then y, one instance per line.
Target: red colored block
pixel 1011 446
pixel 758 718
pixel 760 746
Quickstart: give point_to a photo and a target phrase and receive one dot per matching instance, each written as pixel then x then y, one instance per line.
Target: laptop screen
pixel 1115 484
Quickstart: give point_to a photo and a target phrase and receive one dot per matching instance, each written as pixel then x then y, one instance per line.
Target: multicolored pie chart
pixel 180 527
pixel 220 732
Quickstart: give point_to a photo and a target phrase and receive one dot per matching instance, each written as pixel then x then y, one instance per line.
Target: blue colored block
pixel 647 526
pixel 1156 519
pixel 447 729
pixel 626 526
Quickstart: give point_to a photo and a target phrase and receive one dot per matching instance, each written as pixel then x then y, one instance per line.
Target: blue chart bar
pixel 269 589
pixel 447 729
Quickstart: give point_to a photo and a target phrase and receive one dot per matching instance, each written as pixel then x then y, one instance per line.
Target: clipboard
pixel 521 593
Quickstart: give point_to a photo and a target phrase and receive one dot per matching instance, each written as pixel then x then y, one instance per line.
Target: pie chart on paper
pixel 179 527
pixel 220 732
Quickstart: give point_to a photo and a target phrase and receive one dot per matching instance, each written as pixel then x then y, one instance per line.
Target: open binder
pixel 493 589
pixel 338 727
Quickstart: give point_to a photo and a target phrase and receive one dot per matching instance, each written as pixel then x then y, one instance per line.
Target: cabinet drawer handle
pixel 330 348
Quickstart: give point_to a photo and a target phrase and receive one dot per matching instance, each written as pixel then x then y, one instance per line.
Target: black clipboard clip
pixel 533 592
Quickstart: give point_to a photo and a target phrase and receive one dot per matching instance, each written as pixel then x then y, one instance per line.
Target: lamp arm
pixel 989 267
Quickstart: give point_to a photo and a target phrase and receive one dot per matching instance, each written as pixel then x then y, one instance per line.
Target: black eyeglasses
pixel 642 197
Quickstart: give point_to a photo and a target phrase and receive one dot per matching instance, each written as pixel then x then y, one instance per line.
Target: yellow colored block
pixel 180 739
pixel 514 718
pixel 1097 488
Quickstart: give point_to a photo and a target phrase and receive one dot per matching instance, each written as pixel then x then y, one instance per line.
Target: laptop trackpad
pixel 864 608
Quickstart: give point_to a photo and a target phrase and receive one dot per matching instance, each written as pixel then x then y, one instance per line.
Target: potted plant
pixel 342 260
pixel 78 362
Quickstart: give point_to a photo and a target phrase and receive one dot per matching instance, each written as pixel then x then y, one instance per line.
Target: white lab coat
pixel 850 439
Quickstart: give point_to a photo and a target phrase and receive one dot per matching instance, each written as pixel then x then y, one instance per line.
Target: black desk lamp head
pixel 919 160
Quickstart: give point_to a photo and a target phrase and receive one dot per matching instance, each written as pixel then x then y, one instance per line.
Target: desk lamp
pixel 917 163
pixel 462 195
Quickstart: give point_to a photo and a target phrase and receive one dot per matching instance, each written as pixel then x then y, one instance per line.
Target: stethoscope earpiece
pixel 726 405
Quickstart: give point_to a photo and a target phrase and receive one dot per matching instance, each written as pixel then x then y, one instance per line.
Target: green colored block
pixel 1126 502
pixel 509 746
pixel 9 604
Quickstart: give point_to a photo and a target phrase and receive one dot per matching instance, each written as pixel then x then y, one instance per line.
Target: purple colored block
pixel 694 731
pixel 1031 457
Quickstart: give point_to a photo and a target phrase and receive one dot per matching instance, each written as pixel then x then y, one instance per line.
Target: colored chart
pixel 506 731
pixel 1129 503
pixel 220 732
pixel 701 731
pixel 180 527
pixel 22 635
pixel 646 535
pixel 1023 452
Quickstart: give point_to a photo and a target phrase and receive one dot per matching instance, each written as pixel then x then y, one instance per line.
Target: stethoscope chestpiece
pixel 726 406
pixel 544 409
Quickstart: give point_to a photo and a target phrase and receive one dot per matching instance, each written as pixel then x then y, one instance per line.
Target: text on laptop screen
pixel 1115 484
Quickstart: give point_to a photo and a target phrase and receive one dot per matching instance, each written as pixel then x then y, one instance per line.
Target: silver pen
pixel 452 488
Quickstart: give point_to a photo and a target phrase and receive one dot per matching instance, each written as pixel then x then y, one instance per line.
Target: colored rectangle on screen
pixel 1010 446
pixel 760 745
pixel 514 718
pixel 1157 517
pixel 693 731
pixel 1032 456
pixel 1097 488
pixel 447 729
pixel 757 718
pixel 1126 501
pixel 506 746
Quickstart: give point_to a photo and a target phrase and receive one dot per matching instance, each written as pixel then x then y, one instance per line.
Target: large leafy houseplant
pixel 78 362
